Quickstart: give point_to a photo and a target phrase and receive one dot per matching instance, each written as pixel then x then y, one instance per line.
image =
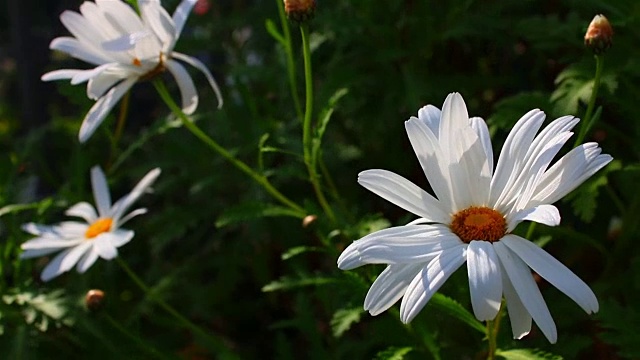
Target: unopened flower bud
pixel 300 10
pixel 94 300
pixel 599 34
pixel 308 220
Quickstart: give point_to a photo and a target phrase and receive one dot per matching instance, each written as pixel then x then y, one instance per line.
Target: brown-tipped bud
pixel 599 34
pixel 300 10
pixel 94 300
pixel 308 220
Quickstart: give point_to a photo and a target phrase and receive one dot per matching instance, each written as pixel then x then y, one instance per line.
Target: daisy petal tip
pixel 349 260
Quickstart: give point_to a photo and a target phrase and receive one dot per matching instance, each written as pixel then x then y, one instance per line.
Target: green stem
pixel 492 333
pixel 122 119
pixel 260 179
pixel 586 121
pixel 215 343
pixel 291 65
pixel 309 159
pixel 142 344
pixel 532 228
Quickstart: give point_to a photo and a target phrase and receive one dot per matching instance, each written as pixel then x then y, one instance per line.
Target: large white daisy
pixel 125 47
pixel 473 214
pixel 83 242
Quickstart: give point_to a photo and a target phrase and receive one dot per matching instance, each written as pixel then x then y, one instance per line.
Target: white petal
pixel 181 14
pixel 429 280
pixel 60 74
pixel 485 280
pixel 398 249
pixel 99 85
pixel 85 75
pixel 543 214
pixel 434 165
pixel 527 290
pixel 553 271
pixel 119 237
pixel 49 243
pixel 104 247
pixel 88 34
pixel 78 50
pixel 83 210
pixel 481 129
pixel 101 109
pixel 70 260
pixel 185 83
pixel 89 259
pixel 38 229
pixel 124 42
pixel 32 253
pixel 200 66
pixel 513 152
pixel 430 116
pixel 100 191
pixel 154 15
pixel 121 16
pixel 126 201
pixel 403 193
pixel 518 314
pixel 131 215
pixel 390 286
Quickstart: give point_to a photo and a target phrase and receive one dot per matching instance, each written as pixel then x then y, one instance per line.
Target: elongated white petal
pixel 518 314
pixel 527 290
pixel 154 15
pixel 39 229
pixel 427 149
pixel 543 214
pixel 126 201
pixel 104 247
pixel 403 193
pixel 429 280
pixel 82 29
pixel 78 50
pixel 389 286
pixel 481 129
pixel 131 215
pixel 85 75
pixel 119 237
pixel 32 253
pixel 100 84
pixel 60 74
pixel 71 259
pixel 83 210
pixel 513 152
pixel 87 260
pixel 397 250
pixel 102 107
pixel 53 267
pixel 50 243
pixel 430 116
pixel 181 14
pixel 121 16
pixel 124 42
pixel 185 83
pixel 485 280
pixel 553 271
pixel 200 66
pixel 100 191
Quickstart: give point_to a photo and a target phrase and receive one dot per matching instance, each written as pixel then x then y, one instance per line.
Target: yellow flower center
pixel 479 223
pixel 98 227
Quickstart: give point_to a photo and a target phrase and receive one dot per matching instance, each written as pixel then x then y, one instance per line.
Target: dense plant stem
pixel 309 159
pixel 492 334
pixel 195 130
pixel 586 121
pixel 215 343
pixel 291 65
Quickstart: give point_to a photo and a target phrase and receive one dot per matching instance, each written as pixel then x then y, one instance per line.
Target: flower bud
pixel 300 10
pixel 94 300
pixel 599 34
pixel 308 220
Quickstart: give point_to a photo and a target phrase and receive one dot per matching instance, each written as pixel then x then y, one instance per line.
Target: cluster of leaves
pixel 216 247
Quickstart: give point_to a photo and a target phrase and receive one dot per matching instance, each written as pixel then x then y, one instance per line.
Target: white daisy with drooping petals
pixel 82 243
pixel 126 48
pixel 473 214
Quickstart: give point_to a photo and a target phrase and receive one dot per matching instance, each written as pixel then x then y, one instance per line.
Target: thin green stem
pixel 291 65
pixel 493 326
pixel 142 344
pixel 260 179
pixel 309 159
pixel 215 343
pixel 586 121
pixel 532 228
pixel 122 119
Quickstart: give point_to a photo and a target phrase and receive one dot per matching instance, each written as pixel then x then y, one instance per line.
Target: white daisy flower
pixel 125 47
pixel 82 243
pixel 472 218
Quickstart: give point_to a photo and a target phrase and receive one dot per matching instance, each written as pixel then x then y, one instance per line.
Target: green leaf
pixel 620 328
pixel 583 199
pixel 454 309
pixel 297 250
pixel 41 206
pixel 273 31
pixel 509 110
pixel 39 309
pixel 393 353
pixel 248 211
pixel 527 354
pixel 344 318
pixel 323 120
pixel 288 283
pixel 575 84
